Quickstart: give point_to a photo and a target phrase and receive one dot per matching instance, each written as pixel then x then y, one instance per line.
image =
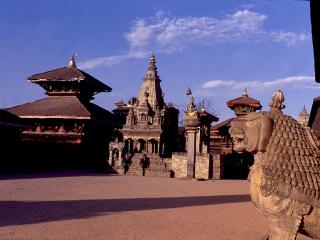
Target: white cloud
pixel 294 81
pixel 112 60
pixel 289 38
pixel 218 83
pixel 172 33
pixel 140 34
pixel 165 33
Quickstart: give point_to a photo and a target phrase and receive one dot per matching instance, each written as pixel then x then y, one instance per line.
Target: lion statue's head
pixel 288 152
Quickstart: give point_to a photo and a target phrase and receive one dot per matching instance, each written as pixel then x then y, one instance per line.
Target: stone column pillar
pixel 120 158
pixel 147 147
pixel 110 153
pixel 191 151
pixel 121 146
pixel 110 157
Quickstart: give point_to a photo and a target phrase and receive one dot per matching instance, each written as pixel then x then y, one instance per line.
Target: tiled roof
pixel 9 119
pixel 60 107
pixel 222 124
pixel 244 100
pixel 203 112
pixel 68 74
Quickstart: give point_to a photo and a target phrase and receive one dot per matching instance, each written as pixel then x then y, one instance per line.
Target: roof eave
pixel 54 117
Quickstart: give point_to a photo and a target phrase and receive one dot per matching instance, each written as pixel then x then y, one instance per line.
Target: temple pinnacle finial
pixel 189 92
pixel 152 59
pixel 245 93
pixel 304 108
pixel 304 111
pixel 72 62
pixel 277 101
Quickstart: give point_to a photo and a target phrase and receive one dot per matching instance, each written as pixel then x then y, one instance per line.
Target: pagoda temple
pixel 244 104
pixel 234 165
pixel 66 125
pixel 151 126
pixel 221 141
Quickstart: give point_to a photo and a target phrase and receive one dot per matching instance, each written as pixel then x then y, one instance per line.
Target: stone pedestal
pixel 217 166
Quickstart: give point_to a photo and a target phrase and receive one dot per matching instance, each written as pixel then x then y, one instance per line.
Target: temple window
pixel 150 119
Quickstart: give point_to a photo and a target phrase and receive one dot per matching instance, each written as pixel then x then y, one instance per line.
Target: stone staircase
pixel 158 167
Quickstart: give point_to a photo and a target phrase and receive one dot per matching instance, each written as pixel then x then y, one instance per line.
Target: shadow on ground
pixel 55 174
pixel 28 212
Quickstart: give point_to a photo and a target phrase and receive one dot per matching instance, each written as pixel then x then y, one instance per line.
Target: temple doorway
pixel 153 146
pixel 141 145
pixel 237 165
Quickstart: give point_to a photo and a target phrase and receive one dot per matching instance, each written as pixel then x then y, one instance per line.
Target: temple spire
pixel 152 59
pixel 152 64
pixel 72 62
pixel 303 117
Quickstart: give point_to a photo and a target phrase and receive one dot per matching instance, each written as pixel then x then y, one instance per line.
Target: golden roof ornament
pixel 245 93
pixel 72 62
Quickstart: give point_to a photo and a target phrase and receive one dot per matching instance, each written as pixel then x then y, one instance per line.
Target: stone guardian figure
pixel 285 177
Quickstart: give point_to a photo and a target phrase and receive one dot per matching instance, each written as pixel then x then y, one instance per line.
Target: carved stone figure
pixel 285 177
pixel 115 152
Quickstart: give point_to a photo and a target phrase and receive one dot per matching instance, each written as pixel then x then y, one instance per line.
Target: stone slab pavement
pixel 85 206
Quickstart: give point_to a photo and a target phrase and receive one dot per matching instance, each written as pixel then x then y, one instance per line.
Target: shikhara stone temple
pixel 151 124
pixel 139 137
pixel 151 127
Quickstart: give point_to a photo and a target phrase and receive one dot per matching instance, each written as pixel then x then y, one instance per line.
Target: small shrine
pixel 234 165
pixel 244 104
pixel 221 142
pixel 197 162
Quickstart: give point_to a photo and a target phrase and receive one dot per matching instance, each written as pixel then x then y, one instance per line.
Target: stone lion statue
pixel 285 177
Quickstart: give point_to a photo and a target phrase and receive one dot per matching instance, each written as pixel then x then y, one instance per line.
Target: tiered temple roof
pixel 8 119
pixel 244 104
pixel 69 93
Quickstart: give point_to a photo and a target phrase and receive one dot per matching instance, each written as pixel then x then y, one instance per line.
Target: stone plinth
pixel 217 166
pixel 204 166
pixel 179 164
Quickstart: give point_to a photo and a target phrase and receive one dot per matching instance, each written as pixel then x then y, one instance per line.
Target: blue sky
pixel 215 47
